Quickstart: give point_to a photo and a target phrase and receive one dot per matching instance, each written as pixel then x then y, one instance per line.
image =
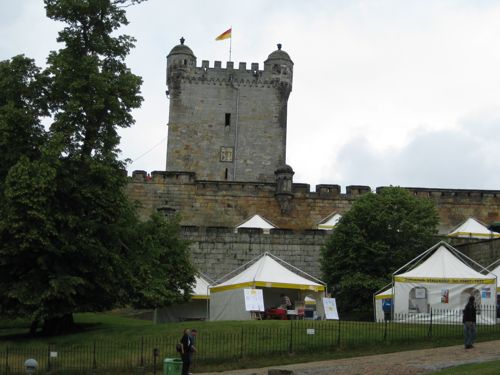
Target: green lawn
pixel 109 341
pixel 487 368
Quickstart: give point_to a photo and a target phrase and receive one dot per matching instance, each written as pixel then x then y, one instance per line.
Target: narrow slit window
pixel 227 121
pixel 225 174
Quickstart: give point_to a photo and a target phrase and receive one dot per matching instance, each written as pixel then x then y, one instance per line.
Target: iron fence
pixel 145 354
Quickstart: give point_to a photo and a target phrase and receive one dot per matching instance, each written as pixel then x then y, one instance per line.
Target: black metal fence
pixel 145 354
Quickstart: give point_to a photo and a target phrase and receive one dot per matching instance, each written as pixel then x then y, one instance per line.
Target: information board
pixel 254 300
pixel 330 306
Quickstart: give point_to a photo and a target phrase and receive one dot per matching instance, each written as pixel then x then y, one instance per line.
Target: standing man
pixel 469 323
pixel 186 345
pixel 194 332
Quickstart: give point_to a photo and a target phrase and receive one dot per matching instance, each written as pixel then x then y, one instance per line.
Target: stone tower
pixel 227 124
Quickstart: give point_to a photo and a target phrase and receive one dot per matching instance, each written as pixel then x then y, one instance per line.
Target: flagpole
pixel 230 43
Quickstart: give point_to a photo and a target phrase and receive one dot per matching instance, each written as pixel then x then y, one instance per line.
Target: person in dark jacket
pixel 186 346
pixel 469 321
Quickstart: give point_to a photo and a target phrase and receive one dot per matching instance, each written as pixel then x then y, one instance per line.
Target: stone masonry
pixel 227 123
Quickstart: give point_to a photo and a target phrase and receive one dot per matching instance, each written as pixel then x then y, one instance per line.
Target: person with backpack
pixel 186 351
pixel 469 320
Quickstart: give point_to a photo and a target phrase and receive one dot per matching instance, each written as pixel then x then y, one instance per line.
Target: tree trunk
pixel 34 327
pixel 58 325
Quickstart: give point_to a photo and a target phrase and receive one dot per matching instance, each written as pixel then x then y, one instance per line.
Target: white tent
pixel 439 279
pixel 266 272
pixel 472 228
pixel 379 299
pixel 329 222
pixel 257 221
pixel 496 272
pixel 196 309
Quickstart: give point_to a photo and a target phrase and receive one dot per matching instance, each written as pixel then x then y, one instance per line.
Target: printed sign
pixel 445 295
pixel 53 354
pixel 254 300
pixel 420 293
pixel 485 293
pixel 310 331
pixel 330 306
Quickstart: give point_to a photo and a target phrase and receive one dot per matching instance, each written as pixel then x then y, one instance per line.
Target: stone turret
pixel 284 184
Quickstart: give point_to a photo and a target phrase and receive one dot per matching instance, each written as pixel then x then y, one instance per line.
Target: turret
pixel 280 66
pixel 284 183
pixel 180 62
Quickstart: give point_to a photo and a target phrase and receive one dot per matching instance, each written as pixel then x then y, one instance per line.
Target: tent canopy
pixel 385 294
pixel 472 228
pixel 496 272
pixel 256 221
pixel 329 222
pixel 444 266
pixel 200 290
pixel 266 271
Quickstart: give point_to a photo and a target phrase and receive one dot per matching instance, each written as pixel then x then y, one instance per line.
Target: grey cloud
pixel 457 158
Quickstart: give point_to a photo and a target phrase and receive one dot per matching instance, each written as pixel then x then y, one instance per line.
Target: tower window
pixel 185 62
pixel 227 121
pixel 225 174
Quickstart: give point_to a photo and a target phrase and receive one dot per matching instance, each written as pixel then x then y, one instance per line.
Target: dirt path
pixel 403 363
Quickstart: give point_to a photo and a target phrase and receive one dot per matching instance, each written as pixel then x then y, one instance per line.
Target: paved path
pixel 402 363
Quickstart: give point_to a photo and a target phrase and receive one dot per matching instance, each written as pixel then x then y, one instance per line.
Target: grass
pixel 486 368
pixel 112 341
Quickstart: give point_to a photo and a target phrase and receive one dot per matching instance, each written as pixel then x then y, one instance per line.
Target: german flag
pixel 225 35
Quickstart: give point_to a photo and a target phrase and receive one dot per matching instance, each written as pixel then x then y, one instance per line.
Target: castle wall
pixel 227 204
pixel 484 252
pixel 216 251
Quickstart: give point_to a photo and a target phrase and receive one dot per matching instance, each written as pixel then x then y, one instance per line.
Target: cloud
pixel 464 157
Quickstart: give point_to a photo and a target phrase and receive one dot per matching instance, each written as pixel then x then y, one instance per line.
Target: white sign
pixel 254 300
pixel 53 354
pixel 330 306
pixel 310 331
pixel 420 293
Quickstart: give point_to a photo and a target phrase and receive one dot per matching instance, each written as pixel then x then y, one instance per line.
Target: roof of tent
pixel 266 271
pixel 472 228
pixel 256 221
pixel 200 290
pixel 385 294
pixel 496 272
pixel 444 267
pixel 330 221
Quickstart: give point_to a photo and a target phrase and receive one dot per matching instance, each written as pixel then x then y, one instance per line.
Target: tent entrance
pixel 418 301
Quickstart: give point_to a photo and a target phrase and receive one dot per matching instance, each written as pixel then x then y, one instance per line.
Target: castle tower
pixel 227 123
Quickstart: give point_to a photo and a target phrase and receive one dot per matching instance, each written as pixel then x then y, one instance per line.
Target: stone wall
pixel 484 252
pixel 227 204
pixel 216 251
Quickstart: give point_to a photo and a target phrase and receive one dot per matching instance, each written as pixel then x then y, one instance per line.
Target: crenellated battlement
pixel 231 75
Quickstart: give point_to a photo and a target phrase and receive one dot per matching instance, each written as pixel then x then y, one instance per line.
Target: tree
pixel 70 240
pixel 23 103
pixel 379 234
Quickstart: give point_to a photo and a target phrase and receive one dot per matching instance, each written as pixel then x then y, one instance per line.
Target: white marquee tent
pixel 257 221
pixel 196 309
pixel 329 222
pixel 378 300
pixel 496 272
pixel 266 272
pixel 472 228
pixel 442 279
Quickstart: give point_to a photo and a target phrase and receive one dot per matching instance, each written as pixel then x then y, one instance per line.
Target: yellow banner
pixel 435 280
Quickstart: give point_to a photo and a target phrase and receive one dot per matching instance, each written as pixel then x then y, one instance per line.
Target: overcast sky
pixel 385 92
